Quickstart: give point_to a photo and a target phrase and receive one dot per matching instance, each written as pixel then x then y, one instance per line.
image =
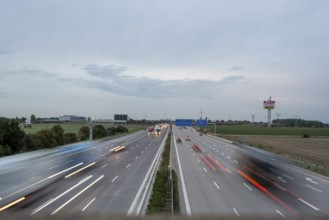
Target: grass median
pixel 162 187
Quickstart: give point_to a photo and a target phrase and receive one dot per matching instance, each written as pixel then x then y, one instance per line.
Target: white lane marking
pixel 104 165
pixel 114 179
pixel 117 157
pixel 136 157
pixel 228 170
pixel 205 170
pixel 279 186
pixel 306 203
pixel 198 160
pixel 236 212
pixel 88 204
pixel 63 171
pixel 79 170
pixel 288 176
pixel 128 165
pixel 54 199
pixel 186 200
pixel 310 180
pixel 247 186
pixel 142 152
pixel 70 200
pixel 281 179
pixel 103 155
pixel 314 188
pixel 228 157
pixel 216 185
pixel 235 161
pixel 14 170
pixel 53 167
pixel 280 213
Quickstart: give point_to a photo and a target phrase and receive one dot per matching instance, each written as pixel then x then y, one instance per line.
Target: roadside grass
pixel 74 127
pixel 258 130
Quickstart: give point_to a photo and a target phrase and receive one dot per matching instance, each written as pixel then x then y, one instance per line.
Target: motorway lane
pixel 238 194
pixel 108 184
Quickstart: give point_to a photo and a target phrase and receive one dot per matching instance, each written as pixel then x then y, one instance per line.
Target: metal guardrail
pixel 138 204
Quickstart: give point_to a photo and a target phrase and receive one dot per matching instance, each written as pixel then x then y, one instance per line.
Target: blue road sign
pixel 184 122
pixel 201 123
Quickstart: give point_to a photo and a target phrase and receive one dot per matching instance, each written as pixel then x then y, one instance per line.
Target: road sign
pixel 201 123
pixel 184 122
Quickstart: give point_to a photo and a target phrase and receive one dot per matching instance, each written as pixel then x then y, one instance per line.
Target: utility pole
pixel 296 117
pixel 90 125
pixel 253 118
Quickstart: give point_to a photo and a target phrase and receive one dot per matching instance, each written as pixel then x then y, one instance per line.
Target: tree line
pixel 14 140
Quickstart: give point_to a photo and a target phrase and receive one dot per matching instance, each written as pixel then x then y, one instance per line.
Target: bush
pixel 58 133
pixel 5 150
pixel 70 138
pixel 121 129
pixel 44 139
pixel 83 133
pixel 306 135
pixel 99 131
pixel 110 131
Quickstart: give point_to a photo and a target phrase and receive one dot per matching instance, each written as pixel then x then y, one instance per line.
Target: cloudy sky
pixel 164 59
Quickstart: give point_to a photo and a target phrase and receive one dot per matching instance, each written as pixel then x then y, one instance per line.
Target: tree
pixel 70 138
pixel 58 132
pixel 11 135
pixel 44 139
pixel 33 118
pixel 99 131
pixel 110 131
pixel 83 133
pixel 121 129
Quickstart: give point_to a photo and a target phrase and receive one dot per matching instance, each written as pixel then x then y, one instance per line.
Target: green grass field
pixel 254 130
pixel 74 127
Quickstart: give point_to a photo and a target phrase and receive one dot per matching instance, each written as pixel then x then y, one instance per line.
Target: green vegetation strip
pixel 260 130
pixel 162 185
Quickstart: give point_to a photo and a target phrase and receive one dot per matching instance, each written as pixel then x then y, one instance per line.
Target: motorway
pixel 220 178
pixel 215 177
pixel 83 177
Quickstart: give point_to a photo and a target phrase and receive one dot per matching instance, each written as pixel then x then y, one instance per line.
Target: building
pixel 72 118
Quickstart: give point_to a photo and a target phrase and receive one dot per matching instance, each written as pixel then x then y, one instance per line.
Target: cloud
pixel 6 95
pixel 30 73
pixel 4 51
pixel 235 68
pixel 153 88
pixel 105 72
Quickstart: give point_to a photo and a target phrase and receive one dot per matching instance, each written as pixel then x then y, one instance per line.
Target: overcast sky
pixel 164 59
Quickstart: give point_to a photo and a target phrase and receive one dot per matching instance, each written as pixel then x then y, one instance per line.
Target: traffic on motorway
pixel 224 179
pixel 93 176
pixel 216 177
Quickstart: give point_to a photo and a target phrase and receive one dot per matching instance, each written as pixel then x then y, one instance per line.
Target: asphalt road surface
pixel 220 178
pixel 84 177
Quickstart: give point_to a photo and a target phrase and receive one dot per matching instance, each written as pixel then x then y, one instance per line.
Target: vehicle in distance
pixel 157 129
pixel 188 138
pixel 179 140
pixel 150 130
